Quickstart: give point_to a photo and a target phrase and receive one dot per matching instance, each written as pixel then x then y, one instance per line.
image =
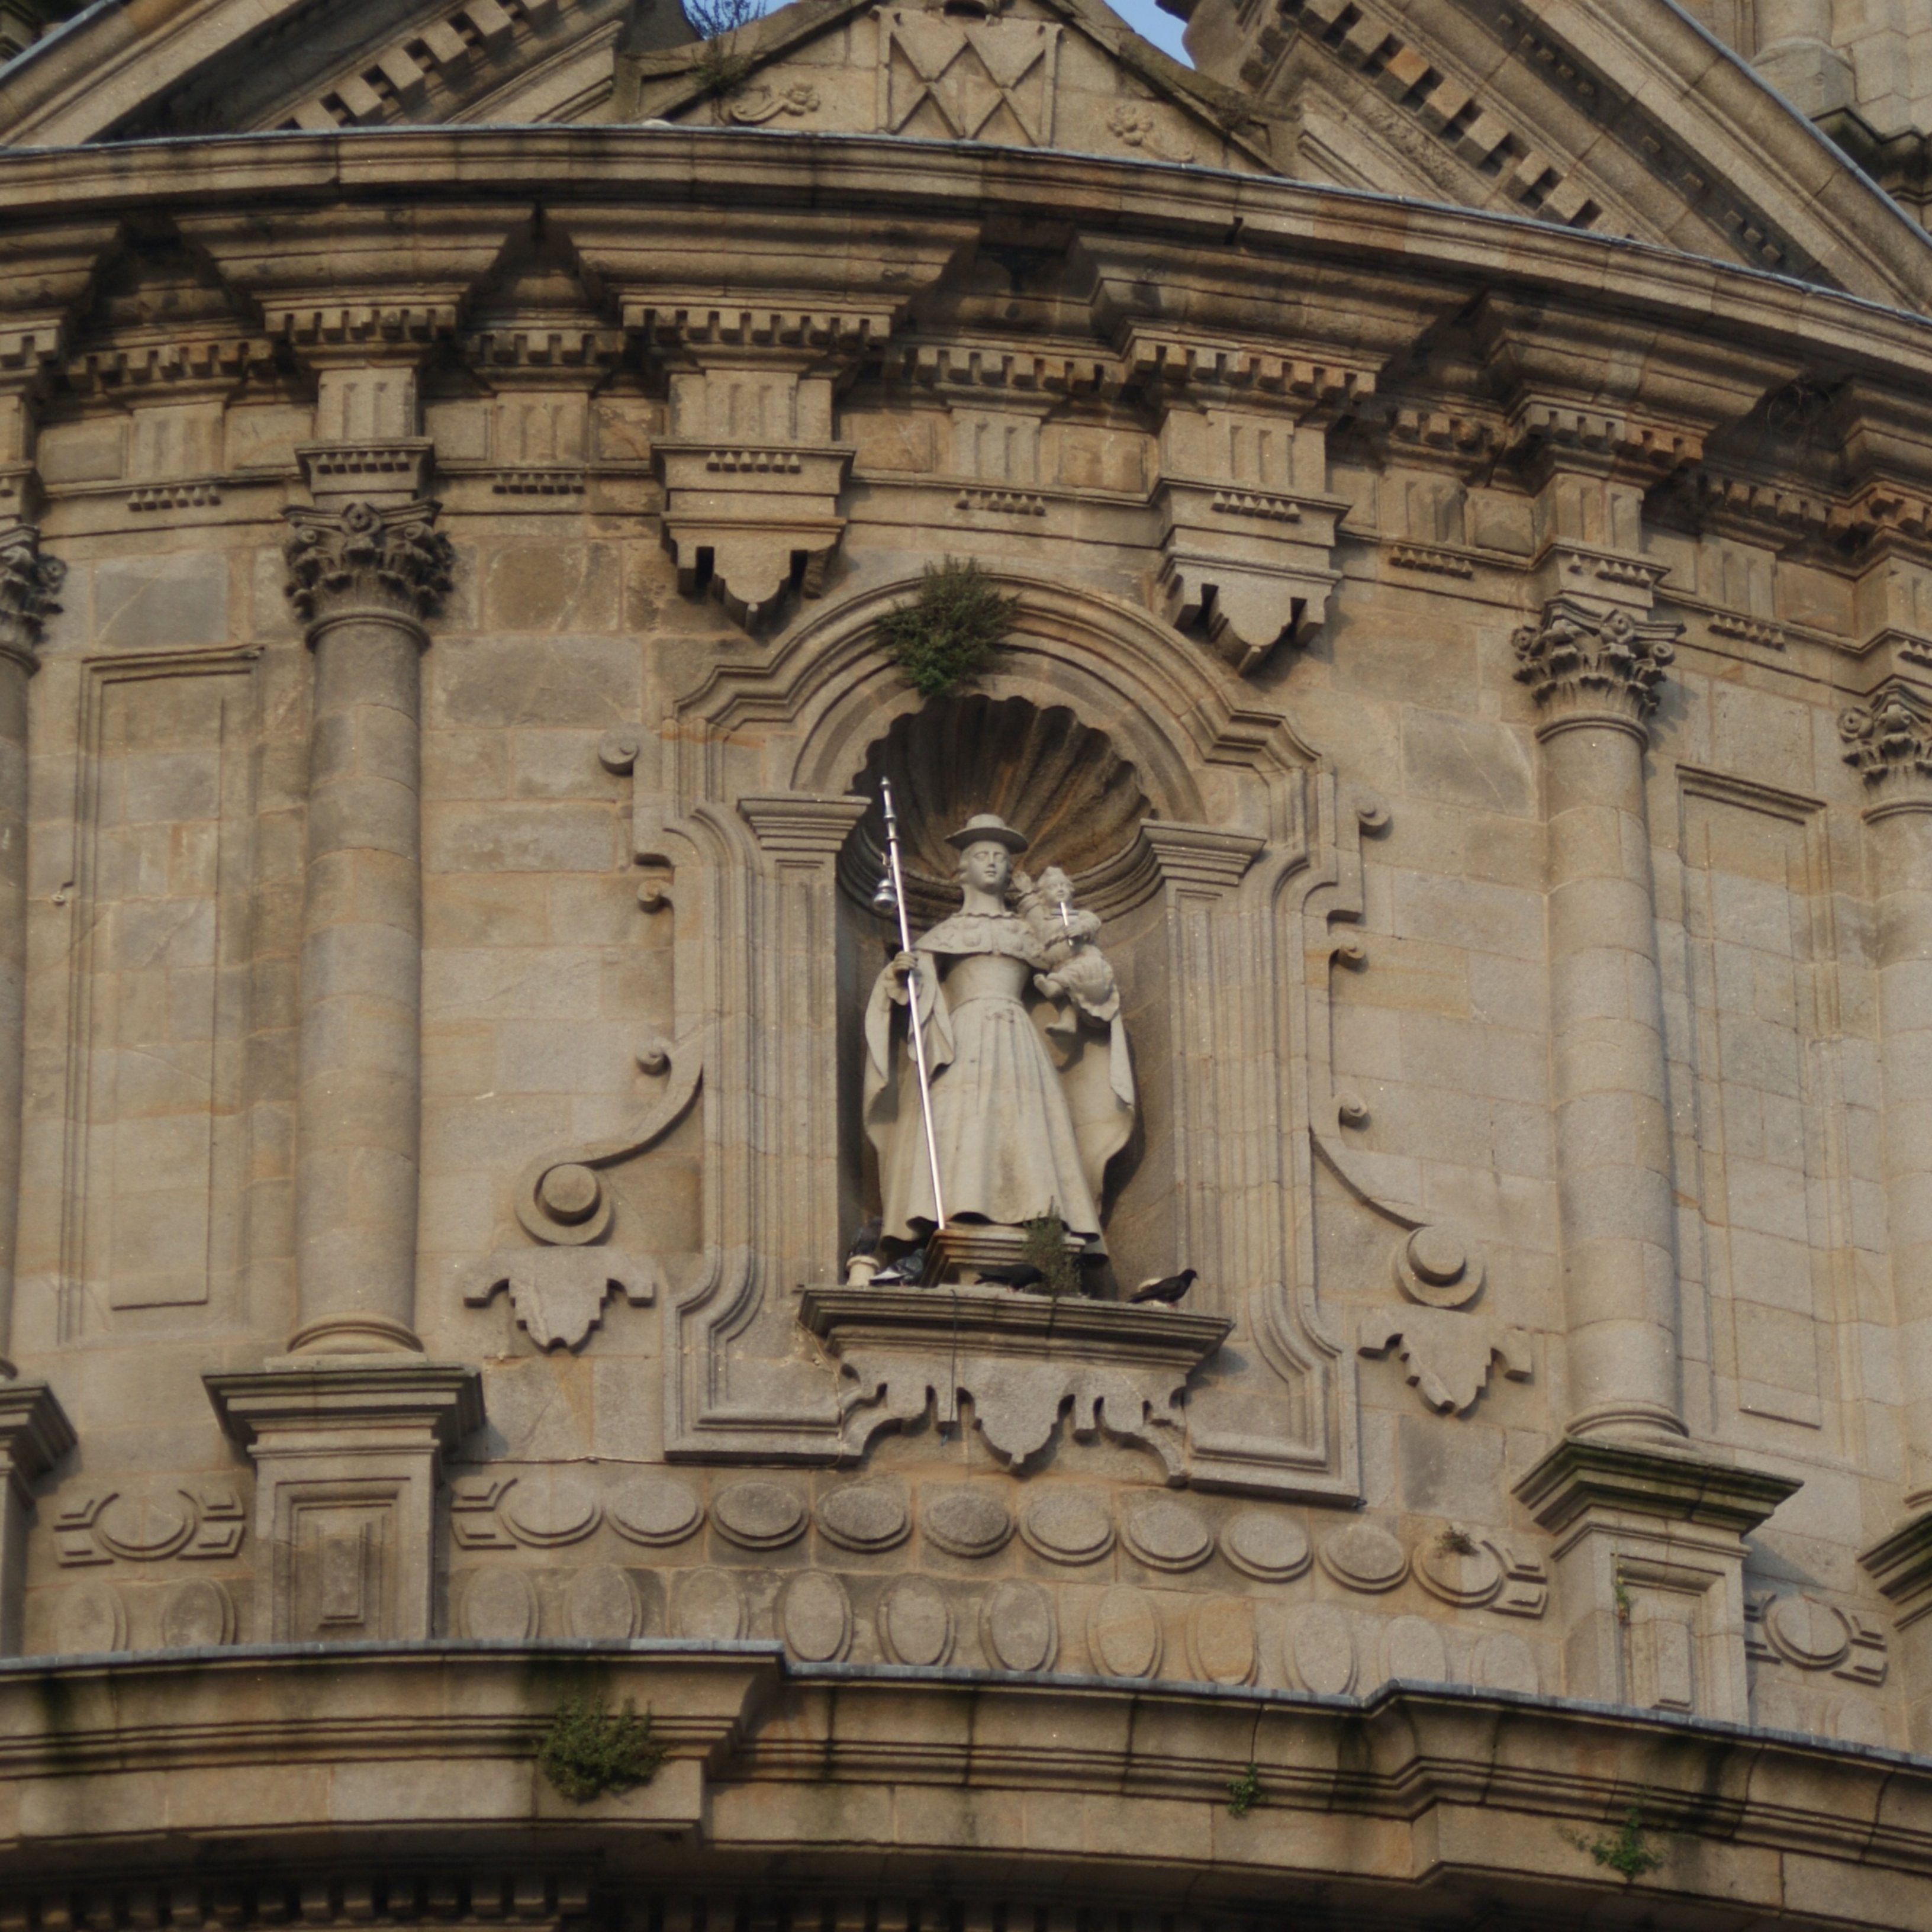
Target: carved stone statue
pixel 1032 1088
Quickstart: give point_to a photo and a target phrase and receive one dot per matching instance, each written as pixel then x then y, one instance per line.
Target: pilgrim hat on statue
pixel 987 825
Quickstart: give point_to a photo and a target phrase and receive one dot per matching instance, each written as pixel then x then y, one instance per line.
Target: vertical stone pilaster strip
pixel 28 583
pixel 1594 674
pixel 363 579
pixel 1890 741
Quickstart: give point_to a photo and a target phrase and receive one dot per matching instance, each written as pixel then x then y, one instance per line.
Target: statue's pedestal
pixel 963 1251
pixel 1018 1359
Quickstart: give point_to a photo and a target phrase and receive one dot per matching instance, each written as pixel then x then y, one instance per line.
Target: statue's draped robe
pixel 1019 1137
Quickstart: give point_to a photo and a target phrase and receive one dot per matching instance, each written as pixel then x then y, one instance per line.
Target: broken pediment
pixel 1032 73
pixel 1623 120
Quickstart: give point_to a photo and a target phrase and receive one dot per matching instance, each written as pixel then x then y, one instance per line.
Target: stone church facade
pixel 1440 848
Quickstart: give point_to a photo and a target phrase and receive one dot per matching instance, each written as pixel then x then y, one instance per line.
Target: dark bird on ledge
pixel 904 1272
pixel 1165 1287
pixel 866 1241
pixel 1021 1274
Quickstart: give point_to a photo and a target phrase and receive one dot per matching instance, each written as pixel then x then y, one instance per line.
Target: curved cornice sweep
pixel 1075 1781
pixel 880 176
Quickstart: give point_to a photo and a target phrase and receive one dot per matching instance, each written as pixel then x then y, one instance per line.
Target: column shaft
pixel 361 578
pixel 28 581
pixel 1901 851
pixel 1595 672
pixel 1612 1127
pixel 358 1097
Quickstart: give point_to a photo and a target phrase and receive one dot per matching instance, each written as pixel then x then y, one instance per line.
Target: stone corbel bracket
pixel 750 524
pixel 559 1293
pixel 1250 568
pixel 1022 1360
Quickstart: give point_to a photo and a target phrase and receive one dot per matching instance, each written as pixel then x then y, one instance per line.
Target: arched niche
pixel 745 807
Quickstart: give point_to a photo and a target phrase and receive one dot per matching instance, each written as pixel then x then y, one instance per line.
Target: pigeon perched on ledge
pixel 1168 1287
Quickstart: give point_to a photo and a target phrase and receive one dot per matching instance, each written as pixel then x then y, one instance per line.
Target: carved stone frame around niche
pixel 740 817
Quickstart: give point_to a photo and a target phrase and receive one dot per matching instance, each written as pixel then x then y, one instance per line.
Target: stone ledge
pixel 433 1744
pixel 1010 1322
pixel 1582 1474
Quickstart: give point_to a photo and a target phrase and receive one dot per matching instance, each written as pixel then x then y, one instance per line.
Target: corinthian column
pixel 363 578
pixel 28 582
pixel 1595 674
pixel 1890 741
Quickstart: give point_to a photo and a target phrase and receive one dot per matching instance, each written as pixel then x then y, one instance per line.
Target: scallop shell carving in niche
pixel 758 1516
pixel 1059 781
pixel 656 1509
pixel 865 1516
pixel 1069 1525
pixel 1167 1533
pixel 1365 1557
pixel 972 1522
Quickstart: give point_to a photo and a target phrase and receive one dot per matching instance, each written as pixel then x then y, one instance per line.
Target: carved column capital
pixel 1595 666
pixel 1888 740
pixel 362 559
pixel 28 581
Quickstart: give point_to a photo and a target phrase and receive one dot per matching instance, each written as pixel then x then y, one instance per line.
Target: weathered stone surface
pixel 1021 1630
pixel 758 1516
pixel 1486 723
pixel 916 1623
pixel 815 1616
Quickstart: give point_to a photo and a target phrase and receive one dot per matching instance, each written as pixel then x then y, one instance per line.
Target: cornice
pixel 1259 220
pixel 746 1729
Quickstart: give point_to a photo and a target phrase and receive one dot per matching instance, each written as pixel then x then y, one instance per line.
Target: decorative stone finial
pixel 1581 661
pixel 387 559
pixel 1891 736
pixel 28 582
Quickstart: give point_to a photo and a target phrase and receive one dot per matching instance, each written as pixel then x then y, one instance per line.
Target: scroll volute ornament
pixel 1581 662
pixel 364 558
pixel 1890 736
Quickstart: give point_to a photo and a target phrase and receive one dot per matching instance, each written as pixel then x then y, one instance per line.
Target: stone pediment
pixel 1626 120
pixel 1032 73
pixel 186 67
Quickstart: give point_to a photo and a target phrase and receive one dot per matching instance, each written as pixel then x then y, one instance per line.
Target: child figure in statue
pixel 1025 1118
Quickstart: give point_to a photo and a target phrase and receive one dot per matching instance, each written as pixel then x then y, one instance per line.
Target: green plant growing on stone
pixel 1621 1596
pixel 1046 1248
pixel 590 1749
pixel 1243 1791
pixel 1627 1851
pixel 719 65
pixel 1453 1542
pixel 944 637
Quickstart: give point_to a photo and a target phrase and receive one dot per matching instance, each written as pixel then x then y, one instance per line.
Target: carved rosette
pixel 28 583
pixel 1599 664
pixel 361 558
pixel 1889 741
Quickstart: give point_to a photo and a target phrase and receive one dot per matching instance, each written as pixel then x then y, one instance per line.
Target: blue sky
pixel 1146 19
